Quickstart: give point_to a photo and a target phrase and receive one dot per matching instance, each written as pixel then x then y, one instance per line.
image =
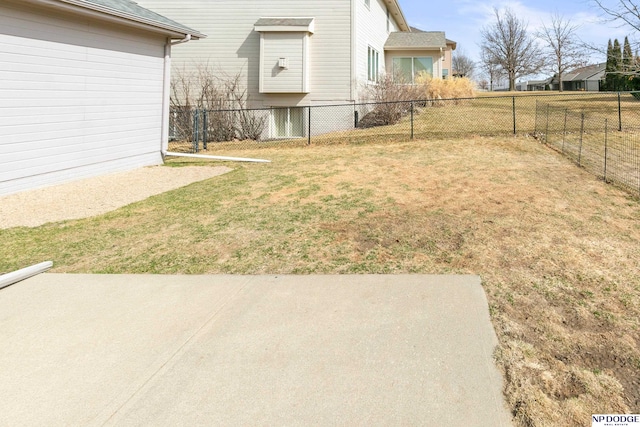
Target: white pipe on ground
pixel 19 275
pixel 206 156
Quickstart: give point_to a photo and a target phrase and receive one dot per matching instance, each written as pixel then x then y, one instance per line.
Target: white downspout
pixel 19 275
pixel 166 91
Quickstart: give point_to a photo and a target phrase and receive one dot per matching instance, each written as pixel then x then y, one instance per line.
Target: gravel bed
pixel 98 195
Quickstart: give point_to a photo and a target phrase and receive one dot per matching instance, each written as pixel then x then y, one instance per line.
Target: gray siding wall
pixel 233 47
pixel 77 98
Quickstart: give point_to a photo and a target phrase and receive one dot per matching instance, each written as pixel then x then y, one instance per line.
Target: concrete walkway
pixel 248 350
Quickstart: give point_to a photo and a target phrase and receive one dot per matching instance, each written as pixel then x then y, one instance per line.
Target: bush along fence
pixel 604 144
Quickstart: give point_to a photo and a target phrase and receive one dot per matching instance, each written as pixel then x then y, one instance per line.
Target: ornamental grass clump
pixel 456 88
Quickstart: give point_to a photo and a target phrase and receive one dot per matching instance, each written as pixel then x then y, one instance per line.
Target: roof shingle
pixel 416 40
pixel 132 10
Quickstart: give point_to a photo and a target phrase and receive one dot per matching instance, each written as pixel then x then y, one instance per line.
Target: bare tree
pixel 624 12
pixel 491 69
pixel 507 43
pixel 224 98
pixel 563 48
pixel 463 65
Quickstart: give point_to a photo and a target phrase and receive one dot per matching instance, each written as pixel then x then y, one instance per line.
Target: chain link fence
pixel 605 144
pixel 581 125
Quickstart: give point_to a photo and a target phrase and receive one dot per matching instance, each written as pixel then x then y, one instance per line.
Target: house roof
pixel 585 73
pixel 126 10
pixel 284 22
pixel 590 72
pixel 394 9
pixel 452 43
pixel 416 40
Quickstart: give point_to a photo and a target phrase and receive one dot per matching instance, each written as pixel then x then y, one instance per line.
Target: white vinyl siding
pixel 233 46
pixel 290 47
pixel 77 98
pixel 373 26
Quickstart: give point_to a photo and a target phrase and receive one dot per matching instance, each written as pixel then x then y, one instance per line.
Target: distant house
pixel 581 79
pixel 84 88
pixel 293 54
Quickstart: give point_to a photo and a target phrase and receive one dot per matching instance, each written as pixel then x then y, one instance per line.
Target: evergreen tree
pixel 617 65
pixel 609 69
pixel 627 65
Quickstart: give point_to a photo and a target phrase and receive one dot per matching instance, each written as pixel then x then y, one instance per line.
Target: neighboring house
pixel 409 53
pixel 536 85
pixel 293 54
pixel 581 79
pixel 84 89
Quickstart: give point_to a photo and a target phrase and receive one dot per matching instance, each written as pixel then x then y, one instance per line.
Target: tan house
pixel 410 53
pixel 294 54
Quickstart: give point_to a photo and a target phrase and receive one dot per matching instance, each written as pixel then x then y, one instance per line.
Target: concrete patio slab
pixel 248 350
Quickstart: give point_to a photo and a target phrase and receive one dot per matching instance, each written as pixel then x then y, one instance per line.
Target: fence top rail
pixel 521 95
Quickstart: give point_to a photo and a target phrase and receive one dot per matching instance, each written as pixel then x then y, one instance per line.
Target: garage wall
pixel 78 98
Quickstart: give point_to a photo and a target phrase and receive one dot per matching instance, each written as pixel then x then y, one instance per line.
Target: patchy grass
pixel 557 249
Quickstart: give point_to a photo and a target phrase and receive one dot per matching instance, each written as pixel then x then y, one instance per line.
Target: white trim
pixel 305 64
pixel 166 96
pixel 287 28
pixel 261 65
pixel 354 51
pixel 284 29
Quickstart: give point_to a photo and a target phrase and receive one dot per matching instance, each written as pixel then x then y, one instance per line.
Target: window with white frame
pixel 408 69
pixel 287 122
pixel 373 61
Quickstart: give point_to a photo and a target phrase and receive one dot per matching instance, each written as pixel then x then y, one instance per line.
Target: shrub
pixel 392 101
pixel 456 88
pixel 222 96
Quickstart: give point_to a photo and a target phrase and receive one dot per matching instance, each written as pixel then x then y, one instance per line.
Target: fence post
pixel 605 149
pixel 619 114
pixel 514 115
pixel 355 119
pixel 581 136
pixel 411 119
pixel 205 126
pixel 535 120
pixel 546 132
pixel 564 131
pixel 196 128
pixel 309 127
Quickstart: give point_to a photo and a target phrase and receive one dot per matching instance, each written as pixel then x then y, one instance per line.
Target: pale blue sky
pixel 462 20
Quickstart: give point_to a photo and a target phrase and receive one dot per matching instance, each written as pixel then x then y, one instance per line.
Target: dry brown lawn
pixel 557 249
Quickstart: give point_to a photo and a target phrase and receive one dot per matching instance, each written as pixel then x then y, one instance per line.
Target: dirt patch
pixel 97 195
